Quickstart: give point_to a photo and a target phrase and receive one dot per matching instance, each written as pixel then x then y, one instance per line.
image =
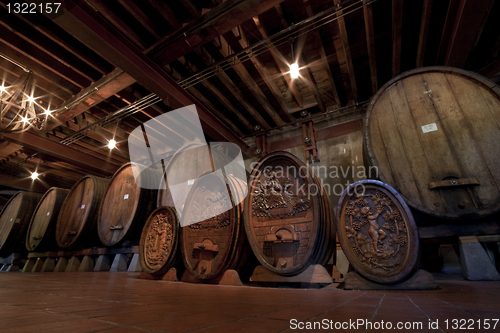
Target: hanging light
pixel 18 107
pixel 111 144
pixel 34 175
pixel 294 70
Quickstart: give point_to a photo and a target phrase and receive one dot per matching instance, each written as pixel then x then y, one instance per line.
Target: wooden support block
pixel 37 267
pixel 171 275
pixel 336 275
pixel 476 265
pixel 61 265
pixel 312 274
pixel 231 278
pixel 187 277
pixel 48 265
pixel 3 267
pixel 342 264
pixel 135 264
pixel 73 264
pixel 12 268
pixel 119 263
pixel 421 280
pixel 451 262
pixel 10 259
pixel 103 263
pixel 29 265
pixel 87 264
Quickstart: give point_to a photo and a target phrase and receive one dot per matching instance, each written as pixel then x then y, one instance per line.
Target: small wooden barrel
pixel 77 221
pixel 433 133
pixel 288 218
pixel 158 250
pixel 14 221
pixel 215 244
pixel 41 231
pixel 377 232
pixel 125 205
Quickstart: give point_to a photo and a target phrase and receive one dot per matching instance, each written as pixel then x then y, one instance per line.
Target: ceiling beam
pixel 136 12
pixel 467 28
pixel 353 92
pixel 206 28
pixel 97 34
pixel 166 12
pixel 324 58
pixel 370 44
pixel 245 76
pixel 25 183
pixel 61 152
pixel 240 42
pixel 99 91
pixel 397 23
pixel 278 59
pixel 424 30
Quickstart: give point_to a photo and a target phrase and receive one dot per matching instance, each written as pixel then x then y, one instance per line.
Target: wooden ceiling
pixel 230 58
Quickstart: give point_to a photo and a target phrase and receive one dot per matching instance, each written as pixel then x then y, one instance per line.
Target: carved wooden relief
pixel 159 241
pixel 377 232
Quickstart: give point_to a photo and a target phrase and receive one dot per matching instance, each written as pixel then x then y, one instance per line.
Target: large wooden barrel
pixel 14 221
pixel 377 232
pixel 433 133
pixel 158 249
pixel 216 243
pixel 126 205
pixel 77 221
pixel 288 217
pixel 41 231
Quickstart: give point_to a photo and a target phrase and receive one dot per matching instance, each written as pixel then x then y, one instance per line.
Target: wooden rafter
pixel 98 35
pixel 397 23
pixel 112 17
pixel 219 20
pixel 467 27
pixel 166 12
pixel 191 7
pixel 278 59
pixel 139 15
pixel 347 52
pixel 370 44
pixel 424 30
pixel 240 43
pixel 245 76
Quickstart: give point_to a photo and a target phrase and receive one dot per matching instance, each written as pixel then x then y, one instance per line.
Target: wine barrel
pixel 210 244
pixel 158 250
pixel 41 231
pixel 14 221
pixel 288 218
pixel 433 134
pixel 77 221
pixel 377 232
pixel 125 205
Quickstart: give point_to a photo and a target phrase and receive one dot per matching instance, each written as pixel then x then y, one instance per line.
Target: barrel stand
pixel 86 260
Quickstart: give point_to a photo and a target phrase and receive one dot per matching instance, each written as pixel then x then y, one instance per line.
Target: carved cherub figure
pixel 374 227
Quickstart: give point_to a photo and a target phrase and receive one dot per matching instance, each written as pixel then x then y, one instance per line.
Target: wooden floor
pixel 119 302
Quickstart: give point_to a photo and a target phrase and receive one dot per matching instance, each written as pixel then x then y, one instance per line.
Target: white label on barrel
pixel 125 197
pixel 48 213
pixel 429 128
pixel 191 182
pixel 83 206
pixel 11 219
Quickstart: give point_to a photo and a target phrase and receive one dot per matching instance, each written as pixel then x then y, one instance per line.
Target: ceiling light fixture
pixel 34 175
pixel 294 70
pixel 111 144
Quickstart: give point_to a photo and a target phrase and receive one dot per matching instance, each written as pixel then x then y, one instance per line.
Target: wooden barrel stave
pixel 125 205
pixel 41 231
pixel 433 134
pixel 77 221
pixel 14 221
